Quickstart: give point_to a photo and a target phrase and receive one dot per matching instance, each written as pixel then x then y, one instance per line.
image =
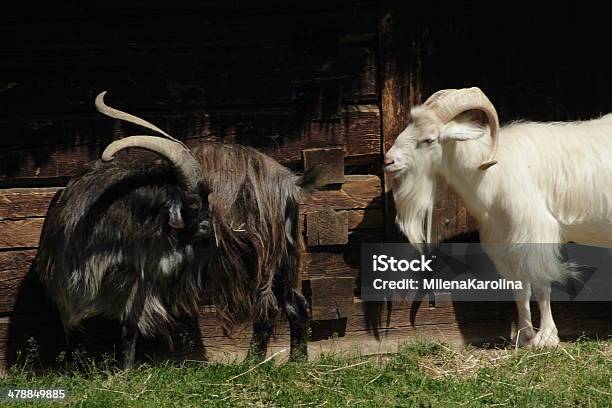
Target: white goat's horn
pixel 182 160
pixel 448 103
pixel 437 96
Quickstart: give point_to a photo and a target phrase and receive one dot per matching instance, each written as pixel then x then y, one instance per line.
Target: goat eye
pixel 428 141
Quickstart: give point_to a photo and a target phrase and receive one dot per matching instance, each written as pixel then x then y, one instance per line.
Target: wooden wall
pixel 283 77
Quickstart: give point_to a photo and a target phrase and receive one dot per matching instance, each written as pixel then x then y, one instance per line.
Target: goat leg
pixel 129 336
pixel 129 332
pixel 296 308
pixel 75 346
pixel 547 335
pixel 262 331
pixel 523 332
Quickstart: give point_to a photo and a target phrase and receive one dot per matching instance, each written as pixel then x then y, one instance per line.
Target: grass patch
pixel 421 374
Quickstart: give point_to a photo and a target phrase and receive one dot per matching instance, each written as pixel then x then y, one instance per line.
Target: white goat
pixel 552 184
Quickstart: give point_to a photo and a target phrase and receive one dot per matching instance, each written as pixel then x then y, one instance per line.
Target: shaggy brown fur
pixel 254 202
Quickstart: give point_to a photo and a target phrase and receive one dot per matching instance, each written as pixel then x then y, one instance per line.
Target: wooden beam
pixel 20 233
pixel 451 218
pixel 330 298
pixel 18 203
pixel 357 192
pixel 330 162
pixel 403 86
pixel 399 66
pixel 330 264
pixel 369 218
pixel 327 227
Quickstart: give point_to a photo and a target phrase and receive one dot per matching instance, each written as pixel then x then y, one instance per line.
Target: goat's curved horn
pixel 180 157
pixel 449 103
pixel 103 108
pixel 437 96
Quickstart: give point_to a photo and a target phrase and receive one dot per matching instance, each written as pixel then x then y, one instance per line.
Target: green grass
pixel 423 374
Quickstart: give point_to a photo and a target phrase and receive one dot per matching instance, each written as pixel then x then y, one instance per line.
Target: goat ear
pixel 468 125
pixel 175 219
pixel 462 131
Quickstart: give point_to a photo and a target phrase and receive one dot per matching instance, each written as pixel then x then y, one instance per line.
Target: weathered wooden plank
pixel 400 87
pixel 451 218
pixel 365 219
pixel 16 261
pixel 364 342
pixel 20 233
pixel 368 315
pixel 339 264
pixel 327 227
pixel 358 192
pixel 25 202
pixel 15 283
pixel 329 161
pixel 359 219
pixel 330 298
pixel 355 334
pixel 400 71
pixel 59 148
pixel 14 268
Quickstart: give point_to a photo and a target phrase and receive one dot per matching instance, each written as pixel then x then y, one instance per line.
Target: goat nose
pixel 388 160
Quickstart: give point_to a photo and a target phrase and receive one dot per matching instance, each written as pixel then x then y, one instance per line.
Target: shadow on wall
pixel 483 324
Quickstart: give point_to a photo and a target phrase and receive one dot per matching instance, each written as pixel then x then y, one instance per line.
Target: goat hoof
pixel 299 354
pixel 298 357
pixel 255 355
pixel 545 338
pixel 523 337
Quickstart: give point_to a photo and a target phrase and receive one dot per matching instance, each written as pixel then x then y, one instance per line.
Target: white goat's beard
pixel 414 196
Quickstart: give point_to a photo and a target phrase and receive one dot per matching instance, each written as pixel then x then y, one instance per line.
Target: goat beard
pixel 414 195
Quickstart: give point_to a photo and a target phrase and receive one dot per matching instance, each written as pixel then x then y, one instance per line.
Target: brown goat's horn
pixel 180 157
pixel 449 103
pixel 103 108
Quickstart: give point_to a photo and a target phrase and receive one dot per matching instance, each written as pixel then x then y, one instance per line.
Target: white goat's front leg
pixel 523 332
pixel 547 333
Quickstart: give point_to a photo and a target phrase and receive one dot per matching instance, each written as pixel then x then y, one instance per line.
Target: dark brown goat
pixel 255 272
pixel 131 240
